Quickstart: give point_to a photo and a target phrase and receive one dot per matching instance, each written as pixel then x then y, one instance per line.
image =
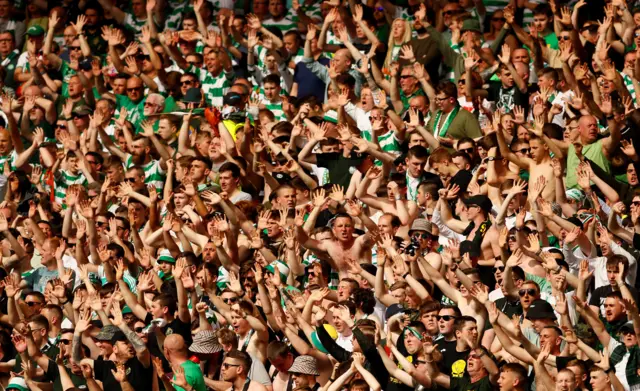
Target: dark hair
pixel 168 301
pixel 277 349
pixel 461 321
pixel 232 167
pixel 364 299
pixel 447 88
pixel 272 78
pixel 417 151
pixel 40 320
pixel 242 356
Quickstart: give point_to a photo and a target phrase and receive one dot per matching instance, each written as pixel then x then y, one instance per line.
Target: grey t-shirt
pixel 258 372
pixel 37 280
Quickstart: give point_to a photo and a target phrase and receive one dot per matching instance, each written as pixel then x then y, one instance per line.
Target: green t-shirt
pixel 194 376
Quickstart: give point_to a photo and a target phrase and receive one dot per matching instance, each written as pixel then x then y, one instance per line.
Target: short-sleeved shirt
pixel 340 167
pixel 38 278
pixel 506 98
pixel 139 377
pixel 154 175
pixel 53 375
pixel 213 87
pixel 308 82
pixel 194 376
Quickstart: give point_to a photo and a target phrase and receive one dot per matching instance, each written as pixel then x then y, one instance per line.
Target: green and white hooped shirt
pixel 153 174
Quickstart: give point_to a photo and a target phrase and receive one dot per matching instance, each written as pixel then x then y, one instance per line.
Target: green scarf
pixel 447 121
pixel 632 365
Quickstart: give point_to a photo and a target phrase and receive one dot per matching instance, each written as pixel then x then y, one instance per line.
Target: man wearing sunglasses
pixel 235 370
pixel 51 369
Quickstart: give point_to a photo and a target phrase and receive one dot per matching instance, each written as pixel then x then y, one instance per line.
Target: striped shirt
pixel 11 158
pixel 214 87
pixel 628 82
pixel 276 109
pixel 153 174
pixel 285 24
pixel 65 179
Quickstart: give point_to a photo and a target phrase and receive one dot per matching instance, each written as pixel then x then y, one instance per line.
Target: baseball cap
pixel 35 31
pixel 107 333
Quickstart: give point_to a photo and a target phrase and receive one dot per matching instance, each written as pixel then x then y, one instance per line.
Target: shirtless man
pixel 478 208
pixel 341 249
pixel 539 164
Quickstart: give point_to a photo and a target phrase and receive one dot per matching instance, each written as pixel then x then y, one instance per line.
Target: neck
pixel 178 360
pixel 51 265
pixel 239 382
pixel 479 219
pixel 461 346
pixel 476 376
pixel 54 330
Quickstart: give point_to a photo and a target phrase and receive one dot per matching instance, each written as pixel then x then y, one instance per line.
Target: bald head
pixel 175 344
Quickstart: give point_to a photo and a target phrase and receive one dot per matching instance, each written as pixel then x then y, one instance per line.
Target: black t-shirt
pixel 464 384
pixel 509 308
pixel 141 378
pixel 53 375
pixel 176 326
pixel 599 295
pixel 454 363
pixel 506 98
pixel 340 168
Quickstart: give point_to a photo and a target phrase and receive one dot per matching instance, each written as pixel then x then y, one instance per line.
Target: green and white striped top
pixel 629 84
pixel 11 158
pixel 153 174
pixel 285 24
pixel 65 179
pixel 313 11
pixel 214 87
pixel 134 24
pixel 276 109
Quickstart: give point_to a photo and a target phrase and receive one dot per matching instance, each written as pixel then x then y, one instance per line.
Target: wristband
pixel 398 197
pixel 405 275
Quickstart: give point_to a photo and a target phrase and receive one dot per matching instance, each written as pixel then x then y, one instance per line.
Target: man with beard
pixel 154 170
pixel 128 348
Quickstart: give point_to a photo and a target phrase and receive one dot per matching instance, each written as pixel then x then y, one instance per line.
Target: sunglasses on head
pixel 530 292
pixel 446 318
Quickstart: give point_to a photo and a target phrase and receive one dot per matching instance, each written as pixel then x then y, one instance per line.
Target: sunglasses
pixel 312 274
pixel 524 150
pixel 462 81
pixel 424 235
pixel 101 224
pixel 563 38
pixel 61 126
pixel 65 341
pixel 227 365
pixel 513 238
pixel 405 76
pixel 186 83
pixel 138 329
pixel 498 268
pixel 635 203
pixel 230 300
pixel 75 47
pixel 530 292
pixel 33 303
pixel 450 12
pixel 135 89
pixel 446 318
pixel 466 150
pixel 498 19
pixel 130 180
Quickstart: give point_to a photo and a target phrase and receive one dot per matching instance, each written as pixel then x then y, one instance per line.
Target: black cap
pixel 540 309
pixel 393 309
pixel 118 336
pixel 479 200
pixel 193 95
pixel 232 99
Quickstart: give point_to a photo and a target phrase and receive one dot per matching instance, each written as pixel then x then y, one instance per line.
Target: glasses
pixel 33 303
pixel 65 341
pixel 530 292
pixel 151 104
pixel 138 329
pixel 438 99
pixel 405 76
pixel 312 274
pixel 563 38
pixel 467 150
pixel 637 34
pixel 186 83
pixel 635 203
pixel 452 12
pixel 462 81
pixel 498 268
pixel 75 48
pixel 230 300
pixel 101 224
pixel 130 180
pixel 446 318
pixel 61 126
pixel 498 19
pixel 524 150
pixel 511 238
pixel 227 365
pixel 134 89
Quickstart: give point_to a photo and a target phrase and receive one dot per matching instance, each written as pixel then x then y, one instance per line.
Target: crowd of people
pixel 303 195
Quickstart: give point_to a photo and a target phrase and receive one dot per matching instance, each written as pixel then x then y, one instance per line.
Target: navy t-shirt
pixel 308 83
